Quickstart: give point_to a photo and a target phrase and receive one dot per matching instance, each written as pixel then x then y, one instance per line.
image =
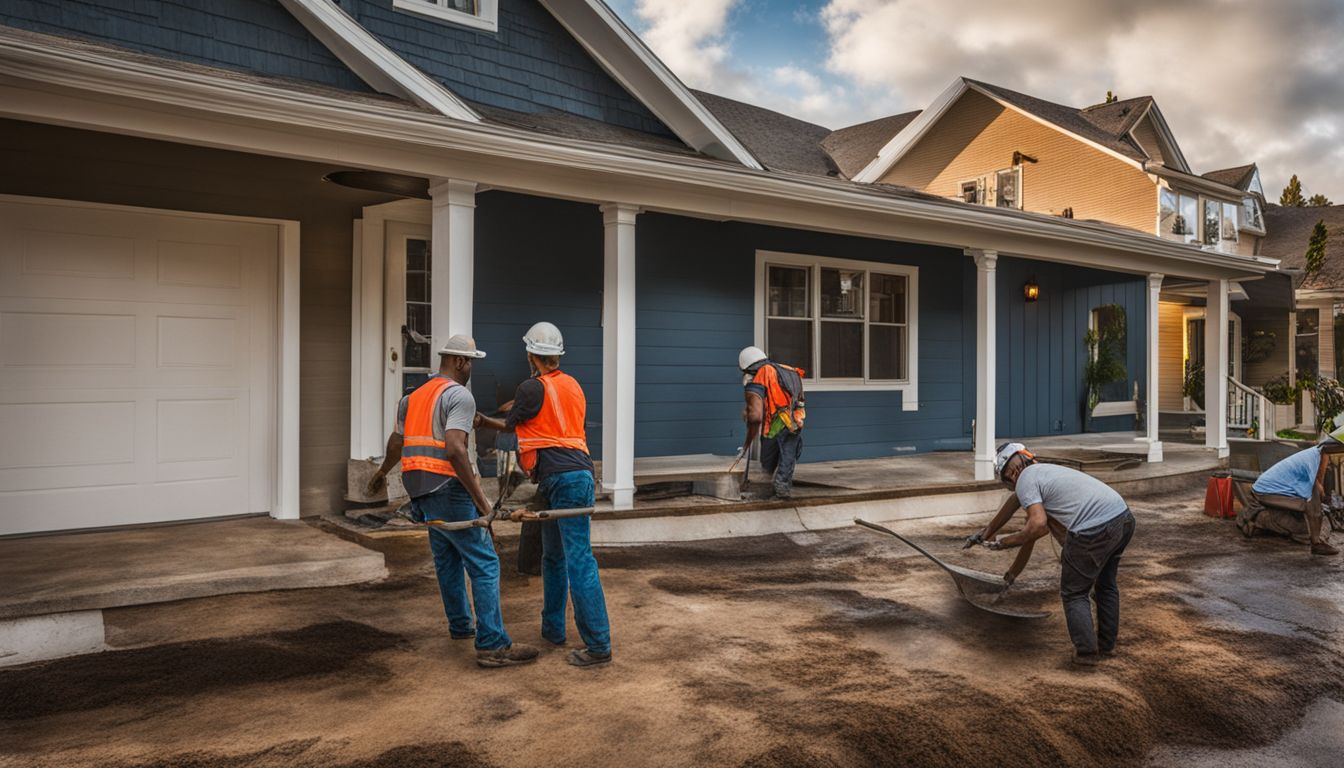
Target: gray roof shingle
pixel 853 148
pixel 1289 231
pixel 1237 177
pixel 1099 127
pixel 780 142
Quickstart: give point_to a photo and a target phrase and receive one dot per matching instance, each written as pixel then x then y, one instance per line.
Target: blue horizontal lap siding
pixel 695 305
pixel 1040 351
pixel 257 36
pixel 531 64
pixel 537 259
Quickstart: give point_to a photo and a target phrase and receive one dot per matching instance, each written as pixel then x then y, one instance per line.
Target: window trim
pixel 910 385
pixel 487 18
pixel 981 190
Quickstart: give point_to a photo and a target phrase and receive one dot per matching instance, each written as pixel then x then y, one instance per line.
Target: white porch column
pixel 1215 368
pixel 618 354
pixel 986 263
pixel 452 259
pixel 1151 392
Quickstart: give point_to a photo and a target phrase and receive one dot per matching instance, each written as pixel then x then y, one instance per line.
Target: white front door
pixel 410 358
pixel 137 366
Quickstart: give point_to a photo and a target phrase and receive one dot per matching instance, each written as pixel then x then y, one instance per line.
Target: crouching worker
pixel 1290 491
pixel 1093 525
pixel 774 411
pixel 430 441
pixel 548 415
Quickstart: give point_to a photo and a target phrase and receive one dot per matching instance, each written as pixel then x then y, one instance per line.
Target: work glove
pixel 976 538
pixel 994 544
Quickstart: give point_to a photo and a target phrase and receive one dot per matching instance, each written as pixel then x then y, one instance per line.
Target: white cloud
pixel 1239 80
pixel 689 36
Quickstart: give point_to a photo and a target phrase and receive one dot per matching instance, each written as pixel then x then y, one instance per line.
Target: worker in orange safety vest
pixel 774 412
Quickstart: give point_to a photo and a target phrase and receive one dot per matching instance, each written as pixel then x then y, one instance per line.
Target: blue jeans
pixel 469 549
pixel 568 566
pixel 779 458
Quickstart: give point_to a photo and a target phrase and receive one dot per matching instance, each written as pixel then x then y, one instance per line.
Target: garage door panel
pixel 67 339
pixel 137 359
pixel 46 434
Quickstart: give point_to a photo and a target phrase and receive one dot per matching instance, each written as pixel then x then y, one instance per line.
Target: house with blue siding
pixel 259 218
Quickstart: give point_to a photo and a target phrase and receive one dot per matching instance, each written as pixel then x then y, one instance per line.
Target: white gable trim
pixel 1165 135
pixel 904 141
pixel 625 57
pixel 375 63
pixel 910 135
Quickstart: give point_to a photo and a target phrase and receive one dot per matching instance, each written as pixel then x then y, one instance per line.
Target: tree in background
pixel 1292 194
pixel 1318 201
pixel 1315 255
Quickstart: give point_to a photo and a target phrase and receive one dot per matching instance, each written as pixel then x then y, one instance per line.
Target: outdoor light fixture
pixel 1021 157
pixel 1031 291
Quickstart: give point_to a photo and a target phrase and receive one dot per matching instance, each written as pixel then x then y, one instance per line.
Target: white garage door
pixel 137 366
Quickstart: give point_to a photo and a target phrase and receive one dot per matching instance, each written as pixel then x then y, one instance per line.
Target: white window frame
pixel 1247 226
pixel 487 17
pixel 910 385
pixel 981 190
pixel 1016 203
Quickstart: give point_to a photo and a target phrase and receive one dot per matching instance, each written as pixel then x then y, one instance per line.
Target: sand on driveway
pixel 818 649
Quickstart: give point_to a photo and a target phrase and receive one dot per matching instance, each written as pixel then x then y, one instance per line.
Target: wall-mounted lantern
pixel 1031 291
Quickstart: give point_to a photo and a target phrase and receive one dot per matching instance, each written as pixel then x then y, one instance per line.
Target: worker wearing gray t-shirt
pixel 1093 526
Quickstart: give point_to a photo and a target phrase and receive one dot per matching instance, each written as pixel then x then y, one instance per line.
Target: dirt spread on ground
pixel 811 650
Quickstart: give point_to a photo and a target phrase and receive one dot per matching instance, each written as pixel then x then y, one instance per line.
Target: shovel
pixel 971 585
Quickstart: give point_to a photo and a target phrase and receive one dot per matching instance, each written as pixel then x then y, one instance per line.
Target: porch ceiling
pixel 95 90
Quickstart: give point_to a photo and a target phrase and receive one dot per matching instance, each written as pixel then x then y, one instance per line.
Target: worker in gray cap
pixel 1093 526
pixel 430 441
pixel 1291 492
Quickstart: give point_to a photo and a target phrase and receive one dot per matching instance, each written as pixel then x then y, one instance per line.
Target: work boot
pixel 586 658
pixel 462 635
pixel 1085 659
pixel 1322 548
pixel 511 656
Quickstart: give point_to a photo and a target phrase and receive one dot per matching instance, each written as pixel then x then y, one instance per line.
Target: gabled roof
pixel 1288 233
pixel 1104 126
pixel 1237 177
pixel 780 142
pixel 854 147
pixel 601 33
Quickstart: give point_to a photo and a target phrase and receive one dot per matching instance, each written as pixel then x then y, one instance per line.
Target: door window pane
pixel 842 293
pixel 886 299
pixel 886 352
pixel 416 333
pixel 789 294
pixel 842 350
pixel 790 342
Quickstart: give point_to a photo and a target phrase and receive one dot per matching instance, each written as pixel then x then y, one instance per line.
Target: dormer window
pixel 1008 187
pixel 1251 216
pixel 973 191
pixel 1255 186
pixel 478 14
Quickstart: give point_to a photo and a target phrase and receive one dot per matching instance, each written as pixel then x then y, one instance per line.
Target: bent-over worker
pixel 548 415
pixel 774 411
pixel 430 441
pixel 1291 490
pixel 1093 526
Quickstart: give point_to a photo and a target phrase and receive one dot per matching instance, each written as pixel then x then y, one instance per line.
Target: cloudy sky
pixel 1238 80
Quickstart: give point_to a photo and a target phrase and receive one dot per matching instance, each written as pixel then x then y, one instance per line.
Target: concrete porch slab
pixel 85 571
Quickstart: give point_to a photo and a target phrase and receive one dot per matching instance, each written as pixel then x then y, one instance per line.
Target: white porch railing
pixel 1249 410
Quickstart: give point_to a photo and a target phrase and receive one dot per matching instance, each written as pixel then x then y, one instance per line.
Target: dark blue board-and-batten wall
pixel 540 259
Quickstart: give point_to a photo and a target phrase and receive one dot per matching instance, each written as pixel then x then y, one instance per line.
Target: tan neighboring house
pixel 1116 162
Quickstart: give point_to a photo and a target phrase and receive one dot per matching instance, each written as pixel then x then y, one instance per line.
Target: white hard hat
pixel 461 346
pixel 1006 452
pixel 749 357
pixel 544 339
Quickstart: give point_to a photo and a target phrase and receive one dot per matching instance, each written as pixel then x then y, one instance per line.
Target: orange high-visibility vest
pixel 559 424
pixel 420 452
pixel 776 398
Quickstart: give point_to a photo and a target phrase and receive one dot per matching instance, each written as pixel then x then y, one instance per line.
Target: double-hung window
pixel 479 14
pixel 847 324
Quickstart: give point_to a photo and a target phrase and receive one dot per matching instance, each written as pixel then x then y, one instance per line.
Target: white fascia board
pixel 628 61
pixel 375 63
pixel 162 94
pixel 1167 137
pixel 908 136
